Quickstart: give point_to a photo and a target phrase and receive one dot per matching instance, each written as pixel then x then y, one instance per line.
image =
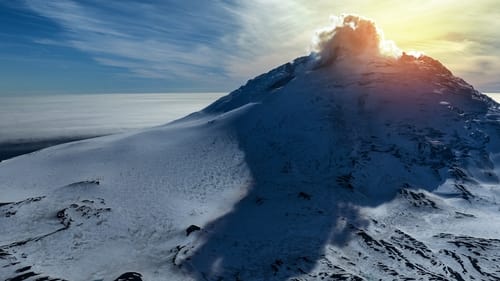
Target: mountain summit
pixel 357 162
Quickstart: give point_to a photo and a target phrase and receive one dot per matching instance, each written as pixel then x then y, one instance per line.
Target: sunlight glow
pixel 353 35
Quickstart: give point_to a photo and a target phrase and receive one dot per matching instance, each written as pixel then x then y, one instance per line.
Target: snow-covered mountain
pixel 347 164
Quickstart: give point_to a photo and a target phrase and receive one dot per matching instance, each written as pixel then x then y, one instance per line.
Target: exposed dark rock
pixel 192 228
pixel 84 183
pixel 345 181
pixel 304 195
pixel 21 277
pixel 130 276
pixel 23 269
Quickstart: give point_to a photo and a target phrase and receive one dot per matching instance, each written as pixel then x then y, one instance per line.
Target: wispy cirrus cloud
pixel 162 40
pixel 225 42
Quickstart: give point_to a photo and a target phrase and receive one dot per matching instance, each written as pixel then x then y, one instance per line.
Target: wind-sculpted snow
pixel 386 169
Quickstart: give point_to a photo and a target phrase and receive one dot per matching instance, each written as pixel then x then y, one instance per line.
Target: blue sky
pixel 111 46
pixel 71 46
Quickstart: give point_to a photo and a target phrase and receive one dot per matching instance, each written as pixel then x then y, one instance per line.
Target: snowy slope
pixel 347 164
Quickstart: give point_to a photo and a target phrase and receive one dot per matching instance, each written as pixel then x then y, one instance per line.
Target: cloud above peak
pixel 218 45
pixel 352 35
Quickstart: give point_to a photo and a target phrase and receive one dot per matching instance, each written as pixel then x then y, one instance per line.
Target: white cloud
pixel 352 35
pixel 277 31
pixel 149 45
pixel 214 42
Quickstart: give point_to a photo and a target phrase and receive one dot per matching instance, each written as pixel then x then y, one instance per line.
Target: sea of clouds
pixel 38 118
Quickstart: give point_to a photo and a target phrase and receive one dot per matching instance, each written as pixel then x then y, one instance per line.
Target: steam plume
pixel 352 35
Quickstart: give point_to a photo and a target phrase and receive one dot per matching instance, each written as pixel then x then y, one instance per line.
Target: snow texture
pixel 356 168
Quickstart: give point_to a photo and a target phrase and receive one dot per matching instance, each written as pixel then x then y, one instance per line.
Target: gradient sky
pixel 182 46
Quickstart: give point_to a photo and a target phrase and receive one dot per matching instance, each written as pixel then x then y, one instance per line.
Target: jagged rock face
pixel 345 167
pixel 412 110
pixel 362 134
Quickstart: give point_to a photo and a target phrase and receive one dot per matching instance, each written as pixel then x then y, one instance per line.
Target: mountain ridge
pixel 337 166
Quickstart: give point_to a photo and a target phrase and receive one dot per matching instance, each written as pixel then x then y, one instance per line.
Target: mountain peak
pixel 345 164
pixel 358 41
pixel 352 51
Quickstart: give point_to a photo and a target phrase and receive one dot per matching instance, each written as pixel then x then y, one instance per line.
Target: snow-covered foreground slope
pixel 343 166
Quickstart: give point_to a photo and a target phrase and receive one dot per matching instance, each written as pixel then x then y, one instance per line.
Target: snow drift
pixel 329 171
